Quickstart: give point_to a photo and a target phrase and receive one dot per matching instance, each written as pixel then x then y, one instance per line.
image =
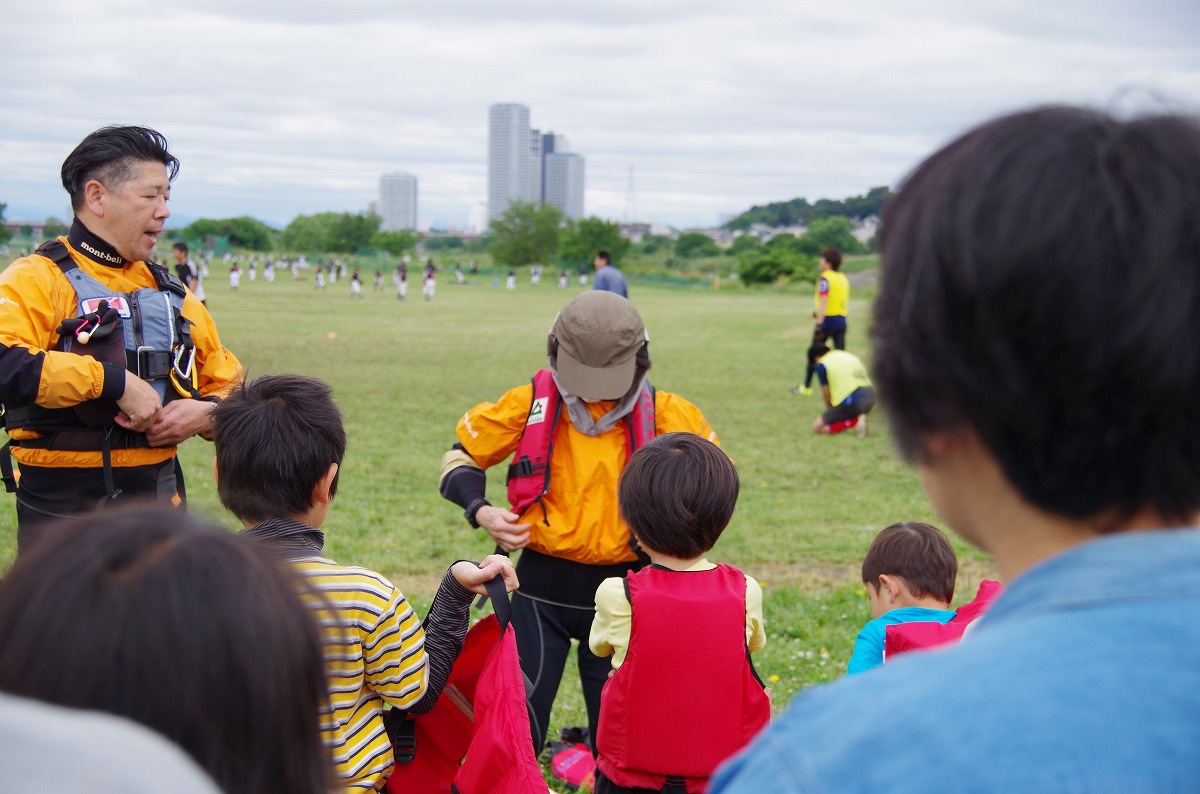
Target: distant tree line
pixel 798 212
pixel 528 233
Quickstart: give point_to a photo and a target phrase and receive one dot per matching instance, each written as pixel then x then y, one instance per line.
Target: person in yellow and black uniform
pixel 846 388
pixel 831 302
pixel 570 434
pixel 107 362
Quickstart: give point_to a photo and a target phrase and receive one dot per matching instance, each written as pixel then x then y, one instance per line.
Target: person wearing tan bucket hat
pixel 569 434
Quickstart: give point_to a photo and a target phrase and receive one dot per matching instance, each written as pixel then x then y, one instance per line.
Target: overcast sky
pixel 278 109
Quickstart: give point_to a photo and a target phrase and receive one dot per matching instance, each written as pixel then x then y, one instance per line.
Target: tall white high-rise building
pixel 525 165
pixel 398 202
pixel 563 175
pixel 514 162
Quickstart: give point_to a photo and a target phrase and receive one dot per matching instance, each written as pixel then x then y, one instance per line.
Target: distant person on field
pixel 511 280
pixel 832 300
pixel 430 285
pixel 680 626
pixel 846 389
pixel 235 277
pixel 356 283
pixel 187 272
pixel 376 650
pixel 909 573
pixel 607 276
pixel 179 625
pixel 402 281
pixel 1035 347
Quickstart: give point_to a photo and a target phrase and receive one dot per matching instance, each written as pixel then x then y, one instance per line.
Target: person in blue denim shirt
pixel 909 573
pixel 1035 347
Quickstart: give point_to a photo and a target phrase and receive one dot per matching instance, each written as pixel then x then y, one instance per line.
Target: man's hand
pixel 139 404
pixel 475 577
pixel 178 421
pixel 501 525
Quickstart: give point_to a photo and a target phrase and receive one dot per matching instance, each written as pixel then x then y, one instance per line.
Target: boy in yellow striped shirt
pixel 280 443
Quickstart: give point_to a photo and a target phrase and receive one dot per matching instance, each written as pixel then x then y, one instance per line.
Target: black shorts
pixel 45 494
pixel 860 402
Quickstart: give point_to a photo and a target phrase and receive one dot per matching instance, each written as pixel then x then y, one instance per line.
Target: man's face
pixel 135 212
pixel 179 255
pixel 598 262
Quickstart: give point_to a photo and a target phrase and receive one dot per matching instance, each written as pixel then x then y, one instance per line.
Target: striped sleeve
pixel 445 630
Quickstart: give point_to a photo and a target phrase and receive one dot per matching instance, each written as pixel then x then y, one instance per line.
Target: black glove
pixel 97 325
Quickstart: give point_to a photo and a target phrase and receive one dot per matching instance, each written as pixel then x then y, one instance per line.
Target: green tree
pixel 307 233
pixel 54 228
pixel 834 232
pixel 353 231
pixel 328 232
pixel 744 242
pixel 694 244
pixel 242 232
pixel 653 243
pixel 805 246
pixel 442 243
pixel 246 232
pixel 5 233
pixel 589 235
pixel 395 242
pixel 526 233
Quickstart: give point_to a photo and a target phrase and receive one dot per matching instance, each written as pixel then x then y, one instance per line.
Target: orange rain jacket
pixel 582 522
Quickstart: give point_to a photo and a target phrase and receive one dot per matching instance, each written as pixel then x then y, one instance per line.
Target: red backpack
pixel 476 739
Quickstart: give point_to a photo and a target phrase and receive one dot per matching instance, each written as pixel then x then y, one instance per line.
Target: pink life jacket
pixel 529 472
pixel 904 637
pixel 686 697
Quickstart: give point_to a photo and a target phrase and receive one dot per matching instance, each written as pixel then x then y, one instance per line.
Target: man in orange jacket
pixel 107 361
pixel 570 433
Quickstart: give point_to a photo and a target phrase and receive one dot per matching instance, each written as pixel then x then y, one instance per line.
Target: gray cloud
pixel 279 109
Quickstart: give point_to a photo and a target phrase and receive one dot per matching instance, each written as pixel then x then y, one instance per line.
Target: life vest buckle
pixel 153 364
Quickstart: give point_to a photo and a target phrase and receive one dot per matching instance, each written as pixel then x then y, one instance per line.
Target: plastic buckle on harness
pixel 524 468
pixel 404 742
pixel 153 364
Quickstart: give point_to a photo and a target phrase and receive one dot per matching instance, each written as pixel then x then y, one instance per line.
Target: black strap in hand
pixel 498 593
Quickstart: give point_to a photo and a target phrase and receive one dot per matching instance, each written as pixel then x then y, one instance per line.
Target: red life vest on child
pixel 529 473
pixel 904 637
pixel 686 697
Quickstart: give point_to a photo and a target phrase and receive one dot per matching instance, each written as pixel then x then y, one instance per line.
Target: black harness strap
pixel 6 468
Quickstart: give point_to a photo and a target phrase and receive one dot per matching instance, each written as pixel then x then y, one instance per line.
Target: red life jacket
pixel 529 472
pixel 904 637
pixel 686 697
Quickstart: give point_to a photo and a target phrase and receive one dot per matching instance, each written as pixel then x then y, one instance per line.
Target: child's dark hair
pixel 275 437
pixel 816 350
pixel 917 553
pixel 833 257
pixel 179 625
pixel 677 494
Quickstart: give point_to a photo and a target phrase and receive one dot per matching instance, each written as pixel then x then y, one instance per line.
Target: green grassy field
pixel 403 373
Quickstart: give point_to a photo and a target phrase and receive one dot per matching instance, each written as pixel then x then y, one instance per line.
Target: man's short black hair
pixel 181 246
pixel 1040 286
pixel 677 494
pixel 605 256
pixel 917 553
pixel 109 156
pixel 833 257
pixel 275 437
